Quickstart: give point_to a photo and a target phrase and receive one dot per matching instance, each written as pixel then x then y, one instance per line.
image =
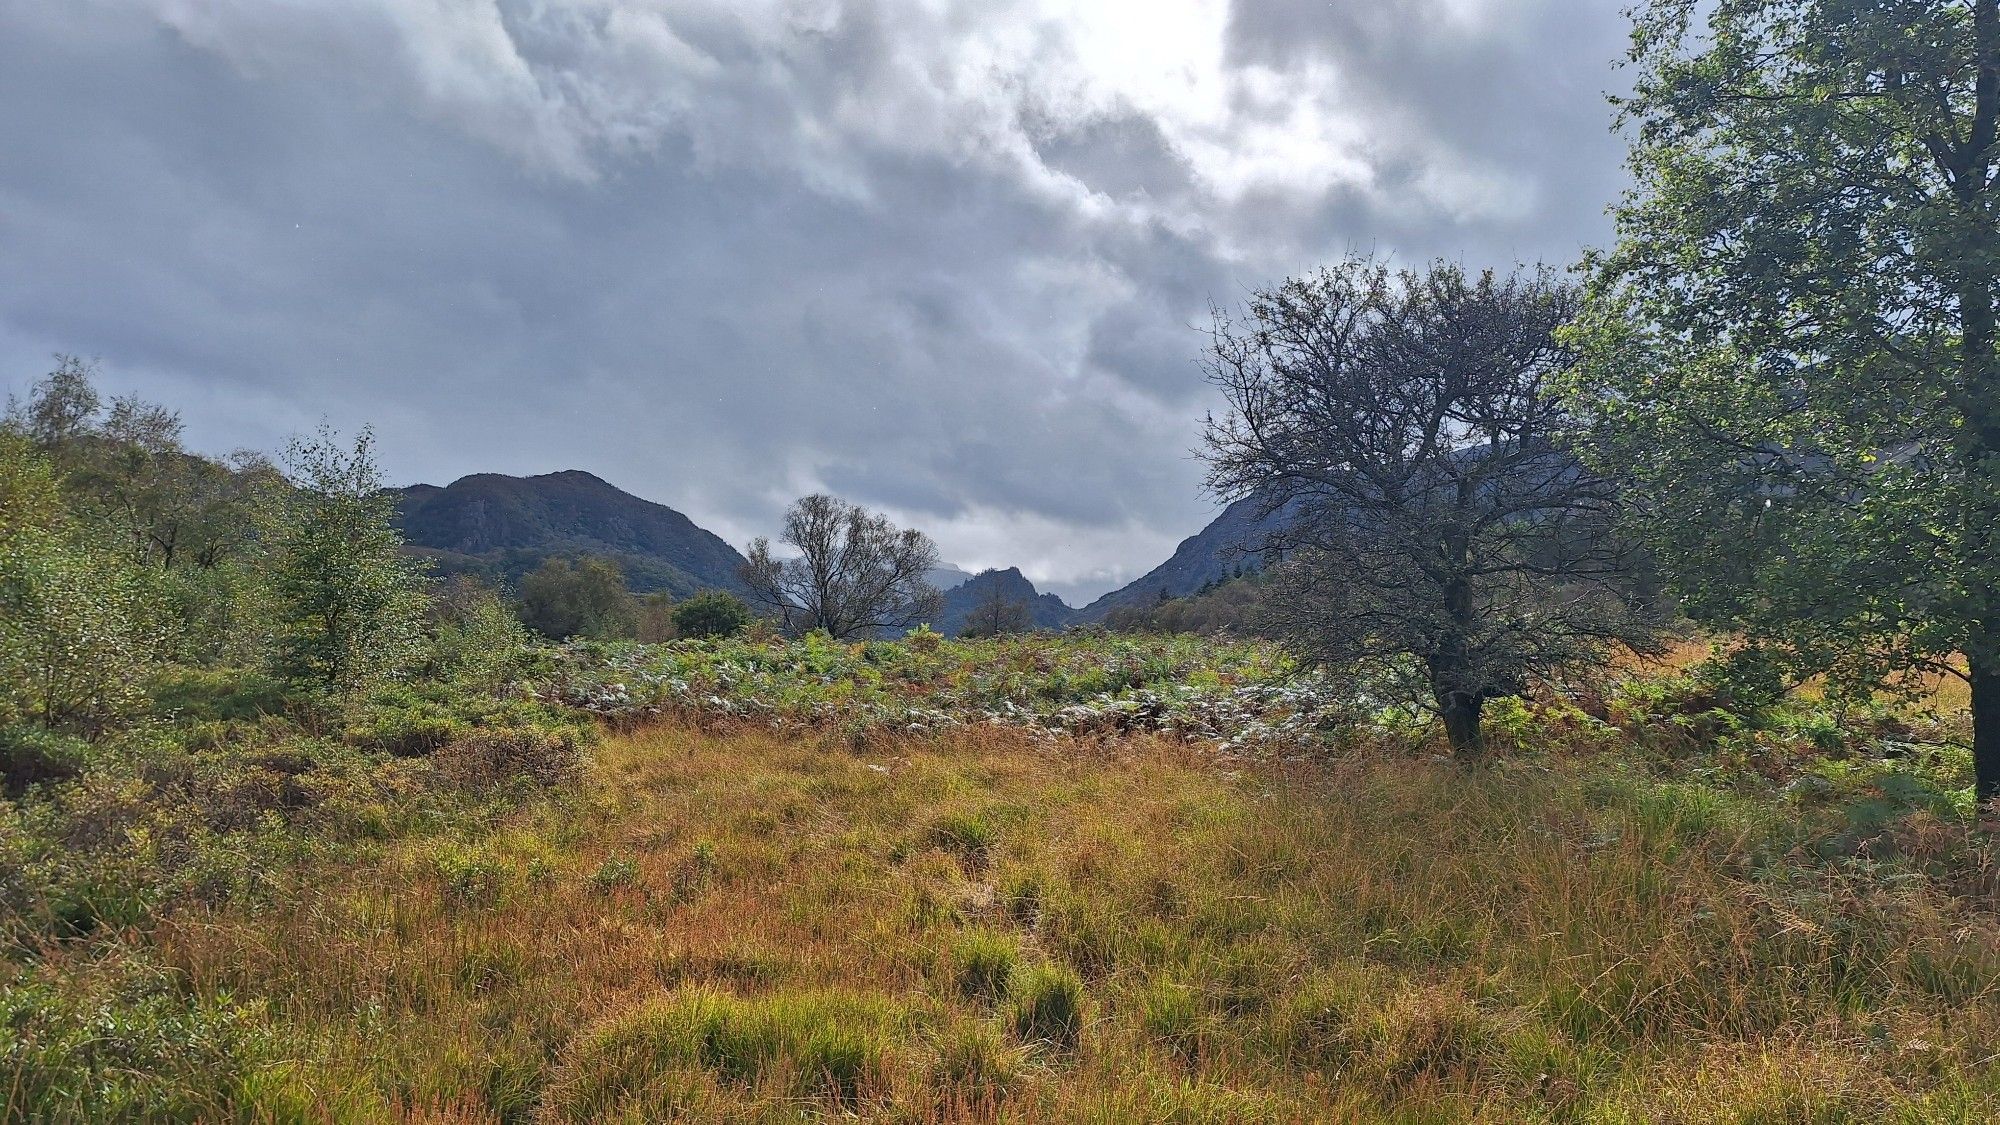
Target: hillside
pixel 1045 611
pixel 502 527
pixel 1227 546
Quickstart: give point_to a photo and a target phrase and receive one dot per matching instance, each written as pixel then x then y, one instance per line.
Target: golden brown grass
pixel 981 926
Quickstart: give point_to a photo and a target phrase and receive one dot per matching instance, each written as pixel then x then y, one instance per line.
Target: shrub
pixel 75 638
pixel 217 694
pixel 711 614
pixel 488 758
pixel 130 1050
pixel 405 732
pixel 1047 1005
pixel 469 875
pixel 33 755
pixel 475 639
pixel 615 872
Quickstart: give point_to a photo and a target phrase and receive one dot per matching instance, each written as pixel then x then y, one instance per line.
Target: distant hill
pixel 1227 546
pixel 945 576
pixel 501 527
pixel 1045 611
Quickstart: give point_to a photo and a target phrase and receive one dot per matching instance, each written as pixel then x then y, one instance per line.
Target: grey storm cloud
pixel 947 258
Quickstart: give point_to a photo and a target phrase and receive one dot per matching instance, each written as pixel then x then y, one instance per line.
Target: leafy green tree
pixel 711 614
pixel 179 509
pixel 475 639
pixel 189 521
pixel 59 410
pixel 76 638
pixel 350 604
pixel 1792 353
pixel 586 598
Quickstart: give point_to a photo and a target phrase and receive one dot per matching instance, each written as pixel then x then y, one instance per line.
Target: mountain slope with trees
pixel 1009 587
pixel 501 527
pixel 1231 544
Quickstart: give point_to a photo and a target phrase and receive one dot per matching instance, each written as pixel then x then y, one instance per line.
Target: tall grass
pixel 979 925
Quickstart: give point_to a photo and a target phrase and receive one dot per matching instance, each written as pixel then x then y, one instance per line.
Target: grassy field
pixel 978 926
pixel 1024 881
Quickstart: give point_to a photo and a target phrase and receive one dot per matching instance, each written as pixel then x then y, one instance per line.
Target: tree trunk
pixel 1978 443
pixel 1985 677
pixel 1460 711
pixel 1978 438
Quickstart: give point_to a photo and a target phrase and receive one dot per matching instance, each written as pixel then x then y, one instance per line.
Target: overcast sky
pixel 946 258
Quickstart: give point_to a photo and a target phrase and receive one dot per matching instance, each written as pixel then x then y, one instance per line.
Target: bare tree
pixel 1443 544
pixel 855 572
pixel 996 614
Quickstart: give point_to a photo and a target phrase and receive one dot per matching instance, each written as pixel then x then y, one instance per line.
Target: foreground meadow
pixel 1025 880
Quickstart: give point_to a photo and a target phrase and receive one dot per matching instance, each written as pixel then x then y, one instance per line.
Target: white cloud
pixel 943 255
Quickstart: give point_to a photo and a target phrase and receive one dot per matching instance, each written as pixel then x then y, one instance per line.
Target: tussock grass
pixel 1048 1006
pixel 984 925
pixel 983 962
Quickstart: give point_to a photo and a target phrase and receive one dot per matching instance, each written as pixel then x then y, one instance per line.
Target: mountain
pixel 1045 611
pixel 946 576
pixel 1227 546
pixel 501 527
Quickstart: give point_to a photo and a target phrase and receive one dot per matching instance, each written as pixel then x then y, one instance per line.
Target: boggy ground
pixel 984 925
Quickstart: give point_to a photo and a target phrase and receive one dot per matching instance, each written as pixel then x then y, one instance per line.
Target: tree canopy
pixel 1791 353
pixel 582 598
pixel 855 572
pixel 1445 545
pixel 351 604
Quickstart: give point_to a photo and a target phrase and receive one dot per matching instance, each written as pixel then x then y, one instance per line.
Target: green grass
pixel 1087 909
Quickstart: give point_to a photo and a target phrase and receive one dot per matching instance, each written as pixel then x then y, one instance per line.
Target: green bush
pixel 219 694
pixel 76 635
pixel 34 755
pixel 406 732
pixel 475 639
pixel 711 614
pixel 616 871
